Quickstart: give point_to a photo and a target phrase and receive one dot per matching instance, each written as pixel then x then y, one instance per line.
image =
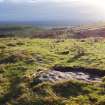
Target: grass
pixel 20 58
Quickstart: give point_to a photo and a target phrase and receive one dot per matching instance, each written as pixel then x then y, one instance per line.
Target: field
pixel 21 58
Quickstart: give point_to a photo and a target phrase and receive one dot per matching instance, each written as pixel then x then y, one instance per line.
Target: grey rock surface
pixel 57 76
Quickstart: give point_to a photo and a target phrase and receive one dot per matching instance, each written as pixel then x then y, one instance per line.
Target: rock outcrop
pixel 54 76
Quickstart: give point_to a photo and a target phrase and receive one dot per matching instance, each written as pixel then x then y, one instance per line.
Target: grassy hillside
pixel 20 58
pixel 10 30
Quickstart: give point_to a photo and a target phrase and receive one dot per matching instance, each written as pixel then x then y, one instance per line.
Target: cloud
pixel 19 1
pixel 52 9
pixel 93 2
pixel 1 0
pixel 36 1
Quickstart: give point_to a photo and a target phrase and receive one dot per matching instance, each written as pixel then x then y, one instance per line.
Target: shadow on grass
pixel 14 91
pixel 68 89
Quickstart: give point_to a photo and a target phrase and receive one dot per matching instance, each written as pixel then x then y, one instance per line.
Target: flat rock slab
pixel 58 76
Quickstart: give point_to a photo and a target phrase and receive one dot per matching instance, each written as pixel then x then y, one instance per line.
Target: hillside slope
pixel 22 58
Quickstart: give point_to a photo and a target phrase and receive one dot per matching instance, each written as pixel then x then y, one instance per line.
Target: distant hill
pixel 82 31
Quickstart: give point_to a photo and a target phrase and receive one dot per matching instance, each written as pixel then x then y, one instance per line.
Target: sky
pixel 44 10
